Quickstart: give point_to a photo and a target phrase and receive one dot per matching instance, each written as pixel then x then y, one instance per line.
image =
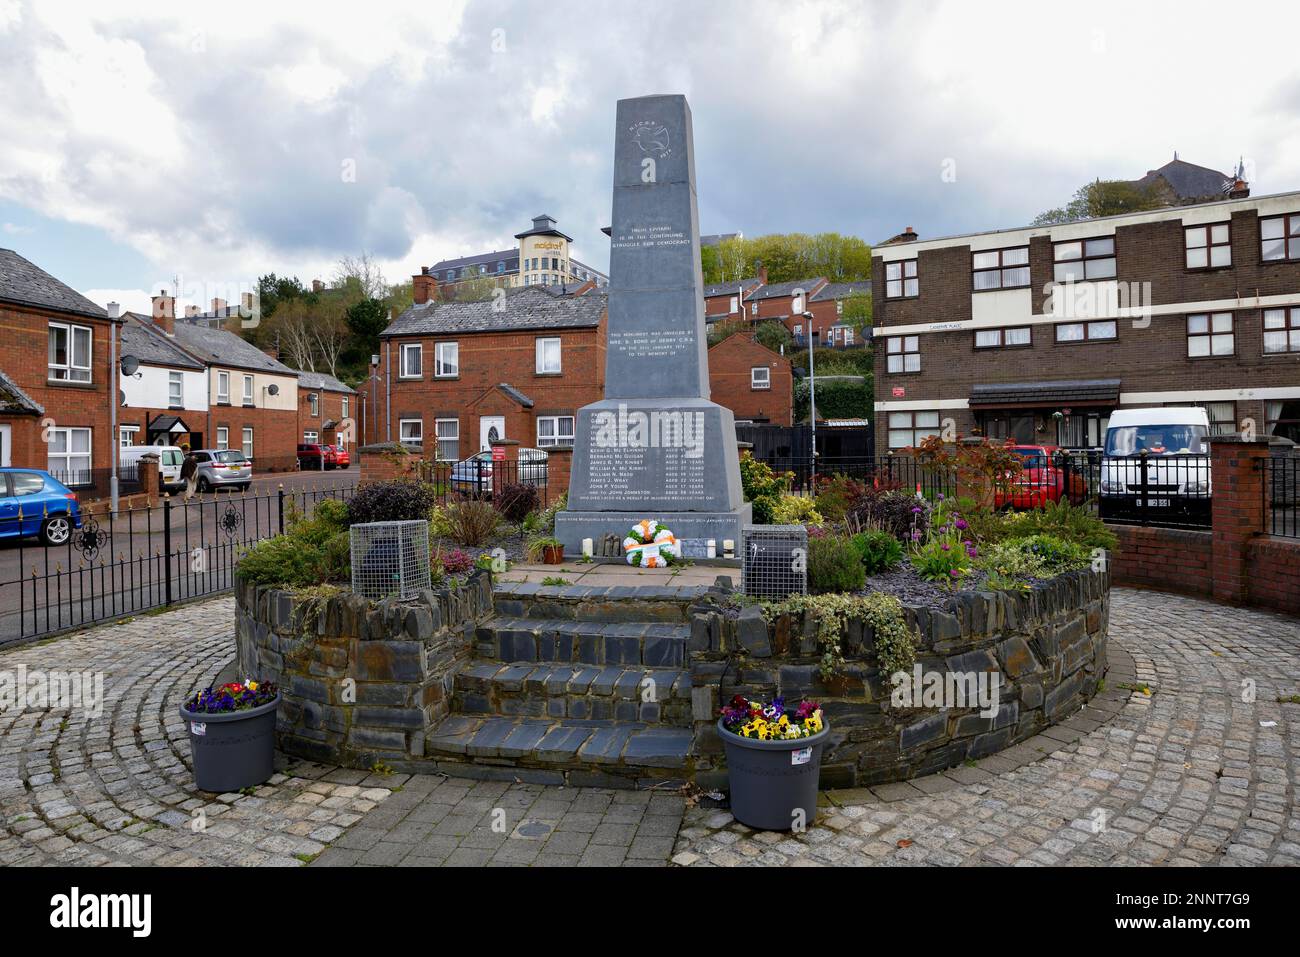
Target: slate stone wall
pixel 1046 647
pixel 361 681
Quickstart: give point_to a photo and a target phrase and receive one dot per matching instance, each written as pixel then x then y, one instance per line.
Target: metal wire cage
pixel 775 562
pixel 390 559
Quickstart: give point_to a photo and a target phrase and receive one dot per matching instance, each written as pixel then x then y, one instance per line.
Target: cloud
pixel 13 229
pixel 225 146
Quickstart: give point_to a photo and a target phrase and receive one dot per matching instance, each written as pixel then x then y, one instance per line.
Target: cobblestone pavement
pixel 1201 771
pixel 1194 773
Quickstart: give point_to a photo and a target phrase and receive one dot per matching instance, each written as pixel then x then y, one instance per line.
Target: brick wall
pixel 730 365
pixel 329 409
pixel 1166 559
pixel 275 434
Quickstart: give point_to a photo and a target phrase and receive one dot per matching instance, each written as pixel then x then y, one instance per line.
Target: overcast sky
pixel 142 141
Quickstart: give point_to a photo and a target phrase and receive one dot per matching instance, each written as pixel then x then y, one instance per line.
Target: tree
pixel 774 335
pixel 857 311
pixel 361 277
pixel 788 256
pixel 1101 198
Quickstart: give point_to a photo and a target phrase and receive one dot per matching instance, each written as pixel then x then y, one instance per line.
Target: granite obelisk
pixel 655 447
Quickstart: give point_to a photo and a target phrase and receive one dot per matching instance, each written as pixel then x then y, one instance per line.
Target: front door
pixel 491 428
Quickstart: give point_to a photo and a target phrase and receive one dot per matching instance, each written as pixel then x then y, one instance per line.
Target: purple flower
pixel 947 547
pixel 955 573
pixel 961 523
pixel 916 510
pixel 916 535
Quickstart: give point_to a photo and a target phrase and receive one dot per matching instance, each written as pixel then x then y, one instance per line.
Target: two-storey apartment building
pixel 165 400
pixel 456 376
pixel 1039 333
pixel 57 377
pixel 327 411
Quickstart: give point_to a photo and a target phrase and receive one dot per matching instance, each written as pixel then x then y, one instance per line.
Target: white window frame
pixel 760 378
pixel 248 393
pixel 223 437
pixel 440 438
pixel 176 390
pixel 441 363
pixel 416 438
pixel 558 437
pixel 543 366
pixel 345 406
pixel 309 437
pixel 246 443
pixel 223 388
pixel 71 371
pixel 67 455
pixel 313 401
pixel 127 432
pixel 406 349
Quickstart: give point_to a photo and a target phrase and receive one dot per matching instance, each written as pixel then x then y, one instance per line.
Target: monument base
pixel 689 527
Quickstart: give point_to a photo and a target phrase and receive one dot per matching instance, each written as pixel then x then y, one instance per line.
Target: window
pixel 248 443
pixel 248 390
pixel 446 360
pixel 908 429
pixel 1003 338
pixel 554 430
pixel 1208 247
pixel 223 437
pixel 411 358
pixel 175 390
pixel 1085 259
pixel 548 356
pixel 1086 331
pixel 346 406
pixel 27 483
pixel 448 432
pixel 1210 334
pixel 126 435
pixel 760 377
pixel 69 359
pixel 1279 238
pixel 848 336
pixel 735 304
pixel 904 354
pixel 1283 418
pixel 753 309
pixel 69 456
pixel 223 388
pixel 901 280
pixel 798 329
pixel 1223 417
pixel 310 437
pixel 411 431
pixel 314 401
pixel 1001 268
pixel 1281 330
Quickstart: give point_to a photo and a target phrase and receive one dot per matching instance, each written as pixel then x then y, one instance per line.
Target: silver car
pixel 221 468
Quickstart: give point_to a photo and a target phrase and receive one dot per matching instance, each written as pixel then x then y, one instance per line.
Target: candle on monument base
pixel 728 548
pixel 713 548
pixel 587 549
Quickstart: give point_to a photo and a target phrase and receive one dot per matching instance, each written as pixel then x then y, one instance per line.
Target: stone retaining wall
pixel 361 681
pixel 1046 647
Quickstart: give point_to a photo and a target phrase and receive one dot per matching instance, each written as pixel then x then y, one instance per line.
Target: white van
pixel 1177 478
pixel 170 460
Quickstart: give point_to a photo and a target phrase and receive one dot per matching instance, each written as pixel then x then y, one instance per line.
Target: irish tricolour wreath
pixel 651 545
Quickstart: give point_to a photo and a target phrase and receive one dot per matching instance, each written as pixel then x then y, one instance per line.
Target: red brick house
pixel 57 379
pixel 455 376
pixel 784 302
pixel 827 326
pixel 751 380
pixel 328 412
pixel 726 300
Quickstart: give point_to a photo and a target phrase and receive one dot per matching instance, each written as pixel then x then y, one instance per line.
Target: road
pixel 125 568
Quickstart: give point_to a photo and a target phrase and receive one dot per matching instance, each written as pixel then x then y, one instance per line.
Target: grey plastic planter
pixel 773 780
pixel 232 751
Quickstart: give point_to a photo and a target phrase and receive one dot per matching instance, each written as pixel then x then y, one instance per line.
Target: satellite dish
pixel 121 397
pixel 273 389
pixel 130 364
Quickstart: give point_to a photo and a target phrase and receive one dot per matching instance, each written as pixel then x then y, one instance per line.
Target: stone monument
pixel 655 447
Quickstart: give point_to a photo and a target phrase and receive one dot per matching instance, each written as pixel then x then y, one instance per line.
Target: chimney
pixel 908 235
pixel 317 286
pixel 114 310
pixel 272 351
pixel 164 312
pixel 218 305
pixel 191 311
pixel 424 287
pixel 762 274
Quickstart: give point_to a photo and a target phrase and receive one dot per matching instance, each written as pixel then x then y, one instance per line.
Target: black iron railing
pixel 1282 496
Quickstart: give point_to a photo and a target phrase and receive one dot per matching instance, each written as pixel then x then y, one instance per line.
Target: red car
pixel 316 458
pixel 341 458
pixel 1041 480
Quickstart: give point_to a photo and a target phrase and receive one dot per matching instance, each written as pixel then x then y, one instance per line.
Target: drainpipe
pixel 114 386
pixel 388 391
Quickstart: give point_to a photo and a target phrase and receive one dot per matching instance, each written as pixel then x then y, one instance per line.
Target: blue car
pixel 33 502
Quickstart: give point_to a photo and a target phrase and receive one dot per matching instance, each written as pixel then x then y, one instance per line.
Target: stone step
pixel 653 644
pixel 610 692
pixel 662 602
pixel 614 753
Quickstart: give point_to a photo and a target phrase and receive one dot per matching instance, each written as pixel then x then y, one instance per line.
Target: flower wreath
pixel 651 545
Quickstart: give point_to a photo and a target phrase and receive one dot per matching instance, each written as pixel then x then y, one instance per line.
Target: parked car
pixel 1176 480
pixel 473 476
pixel 221 468
pixel 170 460
pixel 1044 477
pixel 316 458
pixel 341 457
pixel 34 502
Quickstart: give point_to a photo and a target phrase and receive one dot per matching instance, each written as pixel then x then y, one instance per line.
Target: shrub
pixel 834 565
pixel 795 510
pixel 947 553
pixel 545 523
pixel 439 525
pixel 516 501
pixel 311 551
pixel 837 496
pixel 1057 554
pixel 762 487
pixel 894 641
pixel 877 549
pixel 1064 521
pixel 401 500
pixel 456 562
pixel 897 512
pixel 471 522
